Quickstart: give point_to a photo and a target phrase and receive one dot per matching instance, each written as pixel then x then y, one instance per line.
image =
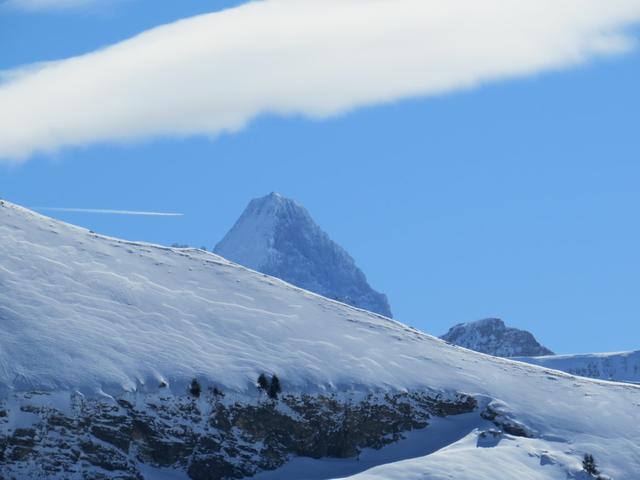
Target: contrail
pixel 109 212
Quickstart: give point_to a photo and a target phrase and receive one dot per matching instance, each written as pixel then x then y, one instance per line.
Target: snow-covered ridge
pixel 106 317
pixel 617 366
pixel 98 314
pixel 493 337
pixel 277 236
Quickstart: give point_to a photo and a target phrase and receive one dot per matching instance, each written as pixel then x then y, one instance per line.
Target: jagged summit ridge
pixel 493 337
pixel 277 236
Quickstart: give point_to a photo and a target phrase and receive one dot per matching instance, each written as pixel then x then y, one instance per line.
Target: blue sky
pixel 517 199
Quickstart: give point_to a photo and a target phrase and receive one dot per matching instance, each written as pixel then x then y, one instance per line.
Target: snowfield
pixel 107 317
pixel 617 366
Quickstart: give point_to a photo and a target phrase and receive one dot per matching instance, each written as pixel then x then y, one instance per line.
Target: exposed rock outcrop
pixel 493 337
pixel 210 438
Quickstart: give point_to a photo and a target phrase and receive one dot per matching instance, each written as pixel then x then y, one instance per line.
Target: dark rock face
pixel 493 337
pixel 277 236
pixel 208 438
pixel 502 419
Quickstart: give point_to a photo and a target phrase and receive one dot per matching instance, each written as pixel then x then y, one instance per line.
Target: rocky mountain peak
pixel 277 236
pixel 493 337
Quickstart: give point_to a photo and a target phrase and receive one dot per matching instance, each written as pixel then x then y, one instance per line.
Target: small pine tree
pixel 263 382
pixel 195 389
pixel 274 388
pixel 589 465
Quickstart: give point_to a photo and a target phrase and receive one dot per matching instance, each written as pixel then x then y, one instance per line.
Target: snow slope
pixel 476 455
pixel 79 311
pixel 619 366
pixel 277 236
pixel 493 337
pixel 481 455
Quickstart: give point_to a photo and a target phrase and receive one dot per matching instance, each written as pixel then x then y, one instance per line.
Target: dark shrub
pixel 271 387
pixel 195 389
pixel 263 382
pixel 274 388
pixel 217 392
pixel 589 465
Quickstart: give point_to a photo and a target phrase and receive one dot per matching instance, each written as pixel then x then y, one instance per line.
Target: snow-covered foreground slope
pixel 129 326
pixel 473 454
pixel 485 455
pixel 619 366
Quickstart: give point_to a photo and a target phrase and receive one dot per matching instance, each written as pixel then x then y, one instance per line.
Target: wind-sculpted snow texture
pixel 618 366
pixel 277 236
pixel 102 339
pixel 493 337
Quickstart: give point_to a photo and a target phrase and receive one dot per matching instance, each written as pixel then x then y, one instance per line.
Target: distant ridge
pixel 277 236
pixel 617 366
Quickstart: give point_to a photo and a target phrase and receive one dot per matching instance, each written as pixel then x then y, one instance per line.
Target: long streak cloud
pixel 108 212
pixel 315 58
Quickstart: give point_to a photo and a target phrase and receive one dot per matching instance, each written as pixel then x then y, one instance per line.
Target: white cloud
pixel 37 5
pixel 317 58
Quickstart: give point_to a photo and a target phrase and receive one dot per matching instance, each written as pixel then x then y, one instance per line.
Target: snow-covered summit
pixel 277 236
pixel 493 337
